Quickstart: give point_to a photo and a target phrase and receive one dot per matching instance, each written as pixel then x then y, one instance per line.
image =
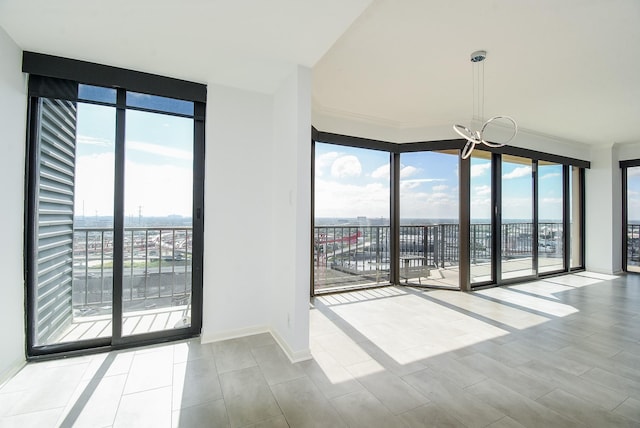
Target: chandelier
pixel 475 137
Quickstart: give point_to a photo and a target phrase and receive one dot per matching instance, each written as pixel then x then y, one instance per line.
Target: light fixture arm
pixel 476 137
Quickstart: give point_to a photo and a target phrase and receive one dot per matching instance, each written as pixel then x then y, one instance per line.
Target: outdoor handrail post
pixel 86 267
pixel 442 245
pixel 102 266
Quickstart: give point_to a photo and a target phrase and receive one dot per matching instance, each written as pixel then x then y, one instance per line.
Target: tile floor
pixel 559 352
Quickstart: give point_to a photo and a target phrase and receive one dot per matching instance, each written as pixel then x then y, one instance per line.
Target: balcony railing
pixel 157 268
pixel 633 246
pixel 353 255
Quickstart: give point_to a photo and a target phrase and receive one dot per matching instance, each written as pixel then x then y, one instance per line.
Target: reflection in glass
pixel 517 217
pixel 351 233
pixel 550 206
pixel 158 222
pixel 480 234
pixel 429 224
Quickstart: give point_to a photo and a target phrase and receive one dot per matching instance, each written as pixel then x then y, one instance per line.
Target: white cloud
pixel 346 166
pixel 423 180
pixel 482 190
pixel 159 150
pixel 440 188
pixel 406 186
pixel 161 190
pixel 324 161
pixel 92 141
pixel 550 175
pixel 521 171
pixel 334 199
pixel 381 172
pixel 408 171
pixel 479 170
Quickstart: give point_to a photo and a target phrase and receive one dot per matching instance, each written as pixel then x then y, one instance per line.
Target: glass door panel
pixel 550 206
pixel 73 223
pixel 633 219
pixel 351 218
pixel 575 218
pixel 158 205
pixel 517 218
pixel 481 241
pixel 429 219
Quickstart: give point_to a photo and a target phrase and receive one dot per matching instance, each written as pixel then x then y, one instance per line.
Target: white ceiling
pixel 569 69
pixel 250 44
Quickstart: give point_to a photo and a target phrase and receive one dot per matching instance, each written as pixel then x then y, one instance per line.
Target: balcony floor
pixel 138 322
pixel 331 280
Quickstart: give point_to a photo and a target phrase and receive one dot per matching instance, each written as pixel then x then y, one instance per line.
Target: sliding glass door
pixel 631 201
pixel 158 232
pixel 429 219
pixel 481 217
pixel 517 226
pixel 550 217
pixel 351 233
pixel 525 215
pixel 111 243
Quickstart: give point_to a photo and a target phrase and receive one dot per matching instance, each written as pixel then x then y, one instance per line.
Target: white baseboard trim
pixel 233 334
pixel 11 371
pixel 294 356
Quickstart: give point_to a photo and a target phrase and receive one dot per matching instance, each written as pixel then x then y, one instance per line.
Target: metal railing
pixel 633 245
pixel 361 254
pixel 156 261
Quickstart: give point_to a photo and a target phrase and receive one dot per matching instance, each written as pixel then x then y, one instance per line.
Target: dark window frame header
pixel 112 77
pixel 365 143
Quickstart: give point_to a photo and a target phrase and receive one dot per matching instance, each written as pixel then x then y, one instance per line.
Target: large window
pixel 481 218
pixel 501 216
pixel 631 215
pixel 550 217
pixel 429 224
pixel 351 233
pixel 115 214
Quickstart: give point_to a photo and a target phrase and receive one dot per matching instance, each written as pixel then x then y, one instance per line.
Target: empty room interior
pixel 353 213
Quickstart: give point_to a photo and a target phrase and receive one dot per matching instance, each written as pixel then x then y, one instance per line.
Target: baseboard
pixel 11 371
pixel 293 356
pixel 234 334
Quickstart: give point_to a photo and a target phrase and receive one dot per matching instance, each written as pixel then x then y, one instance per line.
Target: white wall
pixel 628 151
pixel 257 214
pixel 603 207
pixel 291 233
pixel 13 102
pixel 238 213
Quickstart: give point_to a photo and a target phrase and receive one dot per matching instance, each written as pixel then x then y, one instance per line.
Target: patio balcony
pixel 156 280
pixel 355 256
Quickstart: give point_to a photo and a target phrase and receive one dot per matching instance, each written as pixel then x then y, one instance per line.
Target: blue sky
pixel 158 163
pixel 353 182
pixel 633 193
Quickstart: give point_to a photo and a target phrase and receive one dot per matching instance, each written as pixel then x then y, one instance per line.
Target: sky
pixel 633 193
pixel 158 163
pixel 352 182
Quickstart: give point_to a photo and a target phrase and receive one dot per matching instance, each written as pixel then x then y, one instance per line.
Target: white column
pixel 291 234
pixel 603 206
